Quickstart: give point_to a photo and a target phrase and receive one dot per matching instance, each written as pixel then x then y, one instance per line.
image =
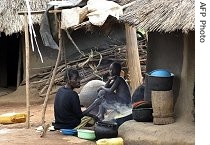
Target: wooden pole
pixel 27 71
pixel 25 13
pixel 133 57
pixel 53 75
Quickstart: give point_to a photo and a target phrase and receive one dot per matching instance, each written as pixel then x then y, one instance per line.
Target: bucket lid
pixel 161 73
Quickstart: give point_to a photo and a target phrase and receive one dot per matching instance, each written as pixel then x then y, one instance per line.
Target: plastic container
pixel 86 134
pixel 110 141
pixel 160 73
pixel 9 118
pixel 69 131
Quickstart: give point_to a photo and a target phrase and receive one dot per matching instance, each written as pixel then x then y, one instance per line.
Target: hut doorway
pixel 11 70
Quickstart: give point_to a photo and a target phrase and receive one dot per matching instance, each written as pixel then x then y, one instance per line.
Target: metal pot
pixel 142 114
pixel 157 84
pixel 106 129
pixel 121 120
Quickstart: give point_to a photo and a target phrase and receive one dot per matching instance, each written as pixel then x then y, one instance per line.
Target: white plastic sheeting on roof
pixel 69 17
pixel 101 9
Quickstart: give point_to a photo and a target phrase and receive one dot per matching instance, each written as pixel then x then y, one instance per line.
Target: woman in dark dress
pixel 67 109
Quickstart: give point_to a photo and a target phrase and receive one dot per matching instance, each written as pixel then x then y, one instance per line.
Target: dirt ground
pixel 133 133
pixel 18 133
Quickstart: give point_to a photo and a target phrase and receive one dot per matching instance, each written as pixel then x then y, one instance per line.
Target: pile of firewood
pixel 94 65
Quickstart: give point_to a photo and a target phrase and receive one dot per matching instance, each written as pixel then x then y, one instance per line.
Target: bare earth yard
pixel 133 133
pixel 18 133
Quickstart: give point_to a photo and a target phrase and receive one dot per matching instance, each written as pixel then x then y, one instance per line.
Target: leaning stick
pixel 45 128
pixel 50 86
pixel 53 76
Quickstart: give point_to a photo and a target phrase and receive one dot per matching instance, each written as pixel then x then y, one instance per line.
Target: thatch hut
pixel 171 44
pixel 170 26
pixel 111 34
pixel 13 47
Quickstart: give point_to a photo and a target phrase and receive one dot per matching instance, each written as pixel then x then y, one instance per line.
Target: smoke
pixel 116 110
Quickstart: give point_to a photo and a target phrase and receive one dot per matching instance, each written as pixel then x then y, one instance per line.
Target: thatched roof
pixel 151 15
pixel 161 15
pixel 10 21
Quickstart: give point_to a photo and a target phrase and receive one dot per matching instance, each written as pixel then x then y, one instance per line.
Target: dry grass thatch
pixel 161 15
pixel 10 21
pixel 150 15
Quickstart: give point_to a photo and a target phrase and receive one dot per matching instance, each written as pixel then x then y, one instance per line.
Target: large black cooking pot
pixel 106 129
pixel 142 114
pixel 157 83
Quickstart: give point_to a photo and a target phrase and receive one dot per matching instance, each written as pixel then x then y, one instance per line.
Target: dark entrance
pixel 11 70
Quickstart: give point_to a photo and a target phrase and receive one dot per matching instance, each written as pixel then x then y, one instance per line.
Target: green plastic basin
pixel 86 134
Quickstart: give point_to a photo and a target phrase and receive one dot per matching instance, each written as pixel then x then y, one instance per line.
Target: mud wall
pixel 184 105
pixel 172 51
pixel 95 39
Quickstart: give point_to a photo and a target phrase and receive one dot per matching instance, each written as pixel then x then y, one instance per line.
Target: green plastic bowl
pixel 86 134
